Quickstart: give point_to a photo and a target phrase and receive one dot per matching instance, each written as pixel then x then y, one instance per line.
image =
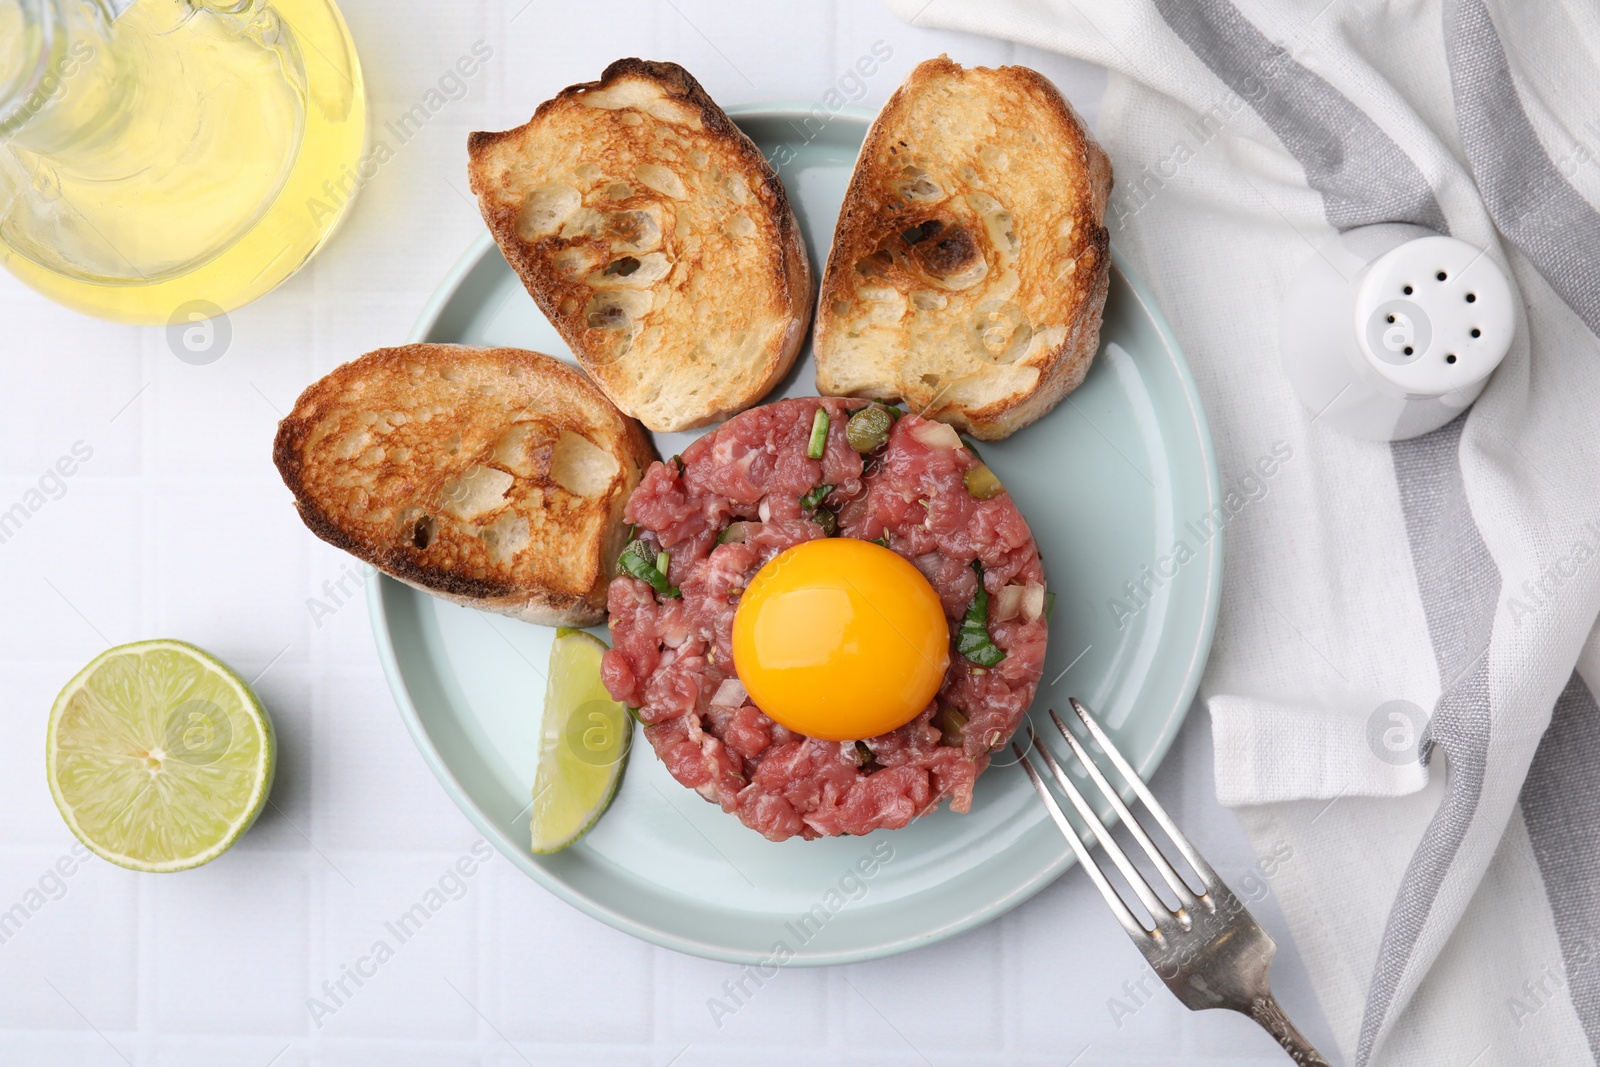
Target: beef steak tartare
pixel 746 492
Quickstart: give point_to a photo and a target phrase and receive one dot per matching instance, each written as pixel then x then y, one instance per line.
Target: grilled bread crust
pixel 654 236
pixel 492 477
pixel 970 265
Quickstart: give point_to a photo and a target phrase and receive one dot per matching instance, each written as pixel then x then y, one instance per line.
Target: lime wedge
pixel 582 747
pixel 158 756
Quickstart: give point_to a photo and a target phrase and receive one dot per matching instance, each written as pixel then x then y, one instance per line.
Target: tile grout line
pixel 144 965
pixel 1003 949
pixel 483 949
pixel 148 416
pixel 836 48
pixel 657 1005
pixel 316 934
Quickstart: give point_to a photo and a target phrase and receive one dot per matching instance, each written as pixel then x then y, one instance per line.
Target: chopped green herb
pixel 633 711
pixel 952 727
pixel 973 640
pixel 663 561
pixel 882 542
pixel 734 533
pixel 982 483
pixel 863 754
pixel 811 504
pixel 638 562
pixel 677 461
pixel 868 429
pixel 1049 605
pixel 972 448
pixel 819 434
pixel 813 500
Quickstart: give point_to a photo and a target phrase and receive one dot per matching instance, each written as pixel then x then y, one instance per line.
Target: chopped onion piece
pixel 1032 601
pixel 730 694
pixel 1007 603
pixel 936 435
pixel 765 510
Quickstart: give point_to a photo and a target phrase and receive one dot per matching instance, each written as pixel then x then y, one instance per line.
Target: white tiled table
pixel 178 526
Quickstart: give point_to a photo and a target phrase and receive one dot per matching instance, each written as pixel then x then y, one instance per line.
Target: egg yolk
pixel 840 639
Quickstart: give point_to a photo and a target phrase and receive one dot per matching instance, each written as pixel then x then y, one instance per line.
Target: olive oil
pixel 173 162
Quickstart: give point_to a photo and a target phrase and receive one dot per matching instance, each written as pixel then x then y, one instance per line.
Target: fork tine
pixel 1142 791
pixel 1169 873
pixel 1119 908
pixel 1118 855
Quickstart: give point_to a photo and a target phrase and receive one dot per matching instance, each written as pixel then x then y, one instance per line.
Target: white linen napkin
pixel 1398 621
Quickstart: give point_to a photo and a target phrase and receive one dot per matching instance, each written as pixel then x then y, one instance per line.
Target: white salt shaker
pixel 1391 331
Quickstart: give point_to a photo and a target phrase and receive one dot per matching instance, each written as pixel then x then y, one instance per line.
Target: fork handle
pixel 1265 1011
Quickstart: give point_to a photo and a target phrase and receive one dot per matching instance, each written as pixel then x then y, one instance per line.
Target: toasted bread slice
pixel 492 477
pixel 655 237
pixel 970 266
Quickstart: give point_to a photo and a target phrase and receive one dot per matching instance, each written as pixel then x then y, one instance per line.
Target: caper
pixel 982 483
pixel 868 429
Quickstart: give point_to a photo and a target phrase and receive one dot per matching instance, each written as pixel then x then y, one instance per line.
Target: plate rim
pixel 378 585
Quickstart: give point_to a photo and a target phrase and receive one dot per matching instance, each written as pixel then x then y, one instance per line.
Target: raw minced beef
pixel 671 655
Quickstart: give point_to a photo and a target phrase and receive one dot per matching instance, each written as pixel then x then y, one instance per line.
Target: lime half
pixel 159 756
pixel 583 745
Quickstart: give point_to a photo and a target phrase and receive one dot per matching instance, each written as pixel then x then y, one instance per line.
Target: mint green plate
pixel 1109 482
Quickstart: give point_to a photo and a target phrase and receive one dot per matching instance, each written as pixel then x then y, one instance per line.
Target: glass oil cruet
pixel 168 160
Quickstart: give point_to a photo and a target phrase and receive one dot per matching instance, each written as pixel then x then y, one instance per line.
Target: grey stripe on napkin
pixel 1536 208
pixel 1460 587
pixel 1561 807
pixel 1458 579
pixel 1362 174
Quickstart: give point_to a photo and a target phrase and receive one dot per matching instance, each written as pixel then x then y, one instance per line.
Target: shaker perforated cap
pixel 1434 316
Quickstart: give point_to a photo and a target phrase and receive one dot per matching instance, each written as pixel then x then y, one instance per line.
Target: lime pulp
pixel 159 756
pixel 583 745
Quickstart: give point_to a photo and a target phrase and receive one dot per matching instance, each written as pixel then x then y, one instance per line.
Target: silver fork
pixel 1210 952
